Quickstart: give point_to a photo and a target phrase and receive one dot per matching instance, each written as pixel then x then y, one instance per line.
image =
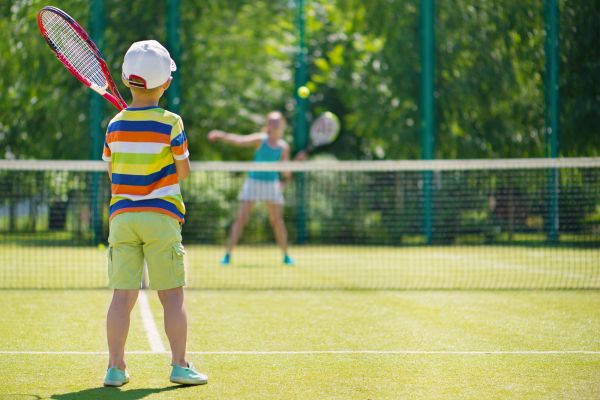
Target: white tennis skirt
pixel 257 190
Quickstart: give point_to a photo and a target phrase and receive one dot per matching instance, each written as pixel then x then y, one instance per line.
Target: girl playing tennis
pixel 260 185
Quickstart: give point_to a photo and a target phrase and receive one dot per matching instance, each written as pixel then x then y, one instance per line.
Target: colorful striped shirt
pixel 143 144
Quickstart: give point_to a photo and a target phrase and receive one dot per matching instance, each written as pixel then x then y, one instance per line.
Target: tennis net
pixel 461 224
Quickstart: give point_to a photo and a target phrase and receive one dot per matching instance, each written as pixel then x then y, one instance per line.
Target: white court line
pixel 316 352
pixel 156 344
pixel 407 352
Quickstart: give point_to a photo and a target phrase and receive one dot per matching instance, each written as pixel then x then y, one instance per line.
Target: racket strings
pixel 73 48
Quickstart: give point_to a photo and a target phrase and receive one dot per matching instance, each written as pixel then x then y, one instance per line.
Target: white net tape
pixel 408 165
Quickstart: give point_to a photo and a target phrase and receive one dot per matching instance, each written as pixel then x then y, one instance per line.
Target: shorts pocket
pixel 109 263
pixel 178 268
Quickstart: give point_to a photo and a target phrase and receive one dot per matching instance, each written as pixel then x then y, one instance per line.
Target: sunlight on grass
pixel 241 320
pixel 336 267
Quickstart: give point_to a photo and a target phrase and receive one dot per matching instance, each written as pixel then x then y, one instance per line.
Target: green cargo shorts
pixel 151 236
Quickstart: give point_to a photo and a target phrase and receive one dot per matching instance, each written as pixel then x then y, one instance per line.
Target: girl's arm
pixel 253 139
pixel 285 156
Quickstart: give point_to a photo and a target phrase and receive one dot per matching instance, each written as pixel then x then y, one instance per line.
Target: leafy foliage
pixel 237 63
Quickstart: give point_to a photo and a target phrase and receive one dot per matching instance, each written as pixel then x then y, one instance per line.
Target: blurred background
pixel 451 251
pixel 409 80
pixel 238 59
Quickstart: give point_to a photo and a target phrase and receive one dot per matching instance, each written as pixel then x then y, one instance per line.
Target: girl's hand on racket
pixel 301 156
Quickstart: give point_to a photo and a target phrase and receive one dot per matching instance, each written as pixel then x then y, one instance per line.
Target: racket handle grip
pixel 115 102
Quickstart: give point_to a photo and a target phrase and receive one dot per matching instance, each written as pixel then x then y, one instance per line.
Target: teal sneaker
pixel 226 260
pixel 187 376
pixel 287 260
pixel 116 377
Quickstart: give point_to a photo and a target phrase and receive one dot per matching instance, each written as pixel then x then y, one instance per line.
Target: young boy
pixel 146 151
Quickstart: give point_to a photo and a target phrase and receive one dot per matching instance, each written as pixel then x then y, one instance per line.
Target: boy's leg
pixel 175 319
pixel 125 265
pixel 117 325
pixel 165 257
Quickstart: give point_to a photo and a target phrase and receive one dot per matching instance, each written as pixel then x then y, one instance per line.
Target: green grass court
pixel 446 236
pixel 315 345
pixel 309 339
pixel 325 267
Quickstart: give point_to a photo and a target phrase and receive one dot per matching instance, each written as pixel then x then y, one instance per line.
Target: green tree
pixel 43 110
pixel 580 78
pixel 490 79
pixel 237 64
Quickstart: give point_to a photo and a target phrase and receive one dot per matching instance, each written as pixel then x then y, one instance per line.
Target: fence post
pixel 427 107
pixel 551 19
pixel 300 125
pixel 173 21
pixel 97 24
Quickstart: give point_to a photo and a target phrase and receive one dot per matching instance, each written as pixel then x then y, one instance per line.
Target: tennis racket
pixel 324 130
pixel 79 54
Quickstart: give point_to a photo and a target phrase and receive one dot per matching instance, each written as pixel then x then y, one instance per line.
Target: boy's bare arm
pixel 183 168
pixel 109 166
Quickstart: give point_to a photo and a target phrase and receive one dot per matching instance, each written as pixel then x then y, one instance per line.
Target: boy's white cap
pixel 147 64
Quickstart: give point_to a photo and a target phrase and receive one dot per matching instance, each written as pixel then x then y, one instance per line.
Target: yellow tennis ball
pixel 303 92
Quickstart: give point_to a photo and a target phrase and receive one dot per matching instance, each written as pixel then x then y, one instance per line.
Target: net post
pixel 173 45
pixel 300 126
pixel 427 36
pixel 97 23
pixel 552 95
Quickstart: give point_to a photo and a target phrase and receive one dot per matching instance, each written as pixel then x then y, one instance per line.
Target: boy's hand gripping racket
pixel 78 53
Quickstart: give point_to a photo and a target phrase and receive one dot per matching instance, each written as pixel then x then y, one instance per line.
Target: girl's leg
pixel 276 218
pixel 238 225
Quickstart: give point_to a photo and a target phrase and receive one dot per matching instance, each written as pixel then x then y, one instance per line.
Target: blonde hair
pixel 275 115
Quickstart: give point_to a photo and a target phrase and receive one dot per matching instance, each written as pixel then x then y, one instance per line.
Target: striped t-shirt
pixel 143 144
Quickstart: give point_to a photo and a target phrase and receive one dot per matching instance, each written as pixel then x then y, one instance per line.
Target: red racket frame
pixel 111 93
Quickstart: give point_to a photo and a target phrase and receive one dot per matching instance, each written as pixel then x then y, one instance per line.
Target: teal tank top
pixel 266 153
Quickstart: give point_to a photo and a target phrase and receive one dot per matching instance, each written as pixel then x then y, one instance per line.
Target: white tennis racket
pixel 324 130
